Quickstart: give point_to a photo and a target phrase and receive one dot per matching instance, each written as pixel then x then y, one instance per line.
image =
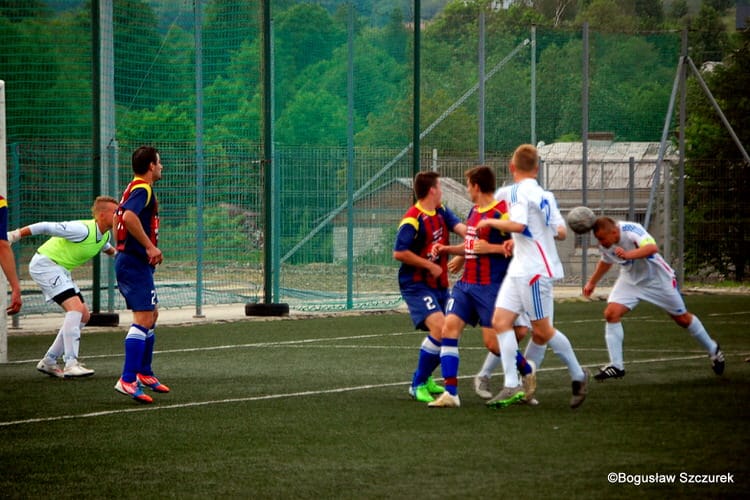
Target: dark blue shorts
pixel 135 279
pixel 423 301
pixel 473 303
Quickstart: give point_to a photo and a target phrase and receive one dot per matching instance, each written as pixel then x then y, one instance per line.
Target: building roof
pixel 455 196
pixel 608 164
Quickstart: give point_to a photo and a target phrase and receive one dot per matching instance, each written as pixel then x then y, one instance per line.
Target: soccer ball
pixel 581 219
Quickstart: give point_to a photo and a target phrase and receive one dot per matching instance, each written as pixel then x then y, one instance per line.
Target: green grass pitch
pixel 318 408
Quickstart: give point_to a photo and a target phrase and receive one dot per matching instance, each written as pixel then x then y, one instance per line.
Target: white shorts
pixel 661 292
pixel 52 278
pixel 533 297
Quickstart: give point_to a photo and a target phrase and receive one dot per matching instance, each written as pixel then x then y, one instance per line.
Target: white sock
pixel 698 331
pixel 613 336
pixel 535 352
pixel 56 349
pixel 561 346
pixel 490 364
pixel 71 335
pixel 508 345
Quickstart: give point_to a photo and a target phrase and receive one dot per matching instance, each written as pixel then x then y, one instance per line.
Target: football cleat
pixel 77 370
pixel 133 390
pixel 446 400
pixel 609 372
pixel 152 383
pixel 508 396
pixel 51 369
pixel 433 387
pixel 482 387
pixel 528 382
pixel 580 389
pixel 717 361
pixel 421 393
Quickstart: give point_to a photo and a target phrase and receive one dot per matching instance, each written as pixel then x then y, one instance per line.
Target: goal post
pixel 4 193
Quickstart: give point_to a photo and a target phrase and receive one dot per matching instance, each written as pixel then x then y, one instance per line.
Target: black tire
pixel 266 309
pixel 104 319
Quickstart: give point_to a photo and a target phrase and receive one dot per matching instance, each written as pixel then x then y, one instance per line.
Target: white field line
pixel 280 396
pixel 296 344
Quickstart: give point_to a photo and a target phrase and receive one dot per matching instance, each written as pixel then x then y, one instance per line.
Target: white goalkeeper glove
pixel 14 236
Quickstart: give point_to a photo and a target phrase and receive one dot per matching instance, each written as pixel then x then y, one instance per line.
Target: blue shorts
pixel 473 303
pixel 135 279
pixel 423 301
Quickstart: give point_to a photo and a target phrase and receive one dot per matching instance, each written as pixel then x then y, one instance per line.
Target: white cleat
pixel 77 370
pixel 446 400
pixel 482 387
pixel 529 382
pixel 51 369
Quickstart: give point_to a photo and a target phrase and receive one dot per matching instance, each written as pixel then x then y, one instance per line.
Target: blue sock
pixel 148 353
pixel 135 344
pixel 449 362
pixel 429 359
pixel 522 364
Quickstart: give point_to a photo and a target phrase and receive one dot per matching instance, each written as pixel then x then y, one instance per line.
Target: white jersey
pixel 637 271
pixel 534 251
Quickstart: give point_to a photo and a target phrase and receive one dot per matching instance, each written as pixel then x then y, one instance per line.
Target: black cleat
pixel 717 360
pixel 609 372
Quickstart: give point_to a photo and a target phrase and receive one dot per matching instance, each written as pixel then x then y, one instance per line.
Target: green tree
pixel 650 13
pixel 226 26
pixel 709 40
pixel 313 118
pixel 679 9
pixel 136 43
pixel 717 177
pixel 608 16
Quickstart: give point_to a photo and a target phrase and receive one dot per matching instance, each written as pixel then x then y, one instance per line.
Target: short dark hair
pixel 483 177
pixel 423 182
pixel 142 158
pixel 603 224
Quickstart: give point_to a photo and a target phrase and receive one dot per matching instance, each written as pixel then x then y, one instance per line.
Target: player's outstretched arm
pixel 601 269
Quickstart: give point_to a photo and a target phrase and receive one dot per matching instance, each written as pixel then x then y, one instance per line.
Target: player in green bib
pixel 72 244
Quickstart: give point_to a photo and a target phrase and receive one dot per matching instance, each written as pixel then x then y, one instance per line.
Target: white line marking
pixel 285 395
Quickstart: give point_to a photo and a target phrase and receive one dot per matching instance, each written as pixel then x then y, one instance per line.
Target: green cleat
pixel 508 396
pixel 433 387
pixel 421 393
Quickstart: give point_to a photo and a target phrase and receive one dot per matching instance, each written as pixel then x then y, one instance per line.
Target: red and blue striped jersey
pixel 3 218
pixel 418 231
pixel 485 268
pixel 140 199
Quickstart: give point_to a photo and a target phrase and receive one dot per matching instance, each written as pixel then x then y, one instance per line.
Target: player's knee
pixel 683 320
pixel 612 315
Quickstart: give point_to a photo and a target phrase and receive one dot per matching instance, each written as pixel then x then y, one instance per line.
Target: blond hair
pixel 525 158
pixel 101 200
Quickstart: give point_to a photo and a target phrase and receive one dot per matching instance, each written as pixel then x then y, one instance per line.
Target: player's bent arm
pixel 135 229
pixel 450 249
pixel 456 264
pixel 483 247
pixel 460 229
pixel 412 259
pixel 640 253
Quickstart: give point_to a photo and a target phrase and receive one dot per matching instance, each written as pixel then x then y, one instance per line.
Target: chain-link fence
pixel 187 77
